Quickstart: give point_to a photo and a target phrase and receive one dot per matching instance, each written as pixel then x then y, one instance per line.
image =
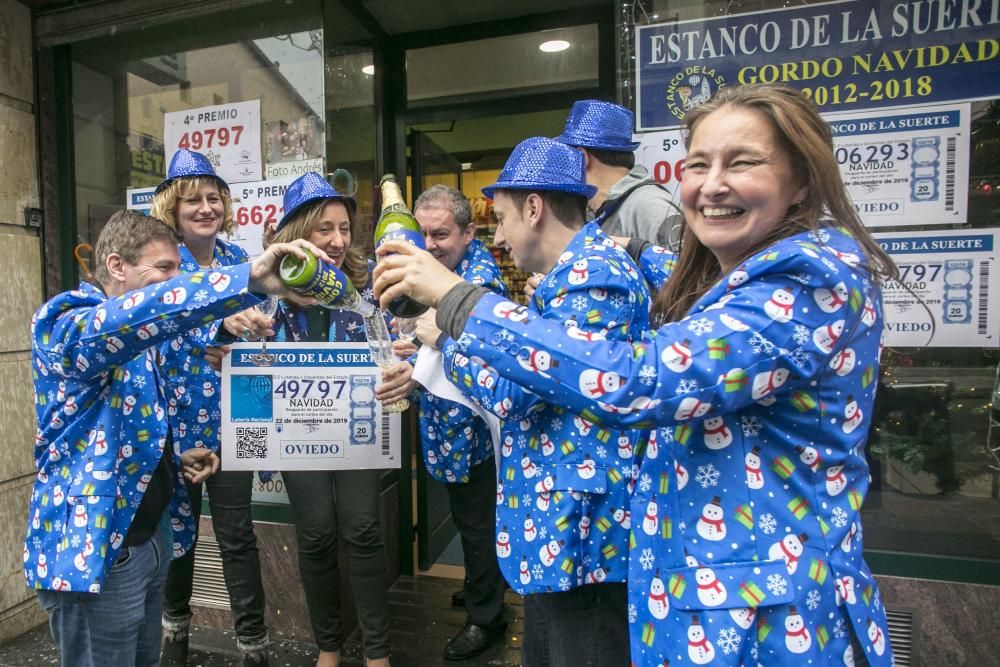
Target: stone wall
pixel 20 294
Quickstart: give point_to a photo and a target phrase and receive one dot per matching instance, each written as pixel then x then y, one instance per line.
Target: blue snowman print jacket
pixel 452 438
pixel 563 514
pixel 100 400
pixel 746 532
pixel 194 386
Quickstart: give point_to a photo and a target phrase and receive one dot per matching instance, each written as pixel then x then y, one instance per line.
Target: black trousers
pixel 585 626
pixel 325 503
pixel 229 500
pixel 473 509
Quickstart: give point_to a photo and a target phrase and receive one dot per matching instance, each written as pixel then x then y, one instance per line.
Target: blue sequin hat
pixel 187 164
pixel 597 124
pixel 540 163
pixel 308 188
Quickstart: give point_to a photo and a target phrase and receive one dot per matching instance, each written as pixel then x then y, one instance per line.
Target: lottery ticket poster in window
pixel 953 273
pixel 227 134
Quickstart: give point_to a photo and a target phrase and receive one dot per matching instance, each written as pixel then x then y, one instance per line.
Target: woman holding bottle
pixel 760 381
pixel 194 201
pixel 346 502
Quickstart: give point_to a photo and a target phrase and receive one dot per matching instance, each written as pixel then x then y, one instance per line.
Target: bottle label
pixel 327 285
pixel 410 236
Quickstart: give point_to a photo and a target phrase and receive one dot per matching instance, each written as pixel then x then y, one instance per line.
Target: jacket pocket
pixel 721 586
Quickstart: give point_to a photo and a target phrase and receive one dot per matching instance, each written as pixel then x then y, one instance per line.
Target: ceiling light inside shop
pixel 369 70
pixel 554 46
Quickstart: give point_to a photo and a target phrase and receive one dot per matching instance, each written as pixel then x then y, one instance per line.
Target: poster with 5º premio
pixel 943 296
pixel 312 407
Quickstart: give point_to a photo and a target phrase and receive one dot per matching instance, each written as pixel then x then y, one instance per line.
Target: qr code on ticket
pixel 251 442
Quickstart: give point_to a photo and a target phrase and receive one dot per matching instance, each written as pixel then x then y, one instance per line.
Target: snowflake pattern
pixel 647 375
pixel 840 628
pixel 543 533
pixel 701 326
pixel 580 302
pixel 557 424
pixel 170 325
pixel 777 584
pixel 564 584
pixel 633 613
pixel 812 599
pixel 707 475
pixel 537 572
pixel 602 452
pixel 139 381
pixel 729 641
pixel 686 386
pixel 839 517
pixel 767 523
pixel 828 263
pixel 799 356
pixel 646 559
pixel 751 426
pixel 645 483
pixel 800 334
pixel 761 345
pixel 75 541
pixel 617 301
pixel 201 296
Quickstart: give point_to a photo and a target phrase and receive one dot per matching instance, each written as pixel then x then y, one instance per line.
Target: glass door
pixel 431 165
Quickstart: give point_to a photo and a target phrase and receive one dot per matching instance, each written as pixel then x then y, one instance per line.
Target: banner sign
pixel 294 169
pixel 227 134
pixel 943 299
pixel 139 199
pixel 314 408
pixel 908 168
pixel 844 55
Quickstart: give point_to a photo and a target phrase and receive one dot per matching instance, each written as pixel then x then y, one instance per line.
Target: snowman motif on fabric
pixel 503 543
pixel 650 521
pixel 789 549
pixel 711 592
pixel 530 531
pixel 678 357
pixel 711 524
pixel 876 637
pixel 852 416
pixel 809 456
pixel 781 306
pixel 836 480
pixel 700 649
pixel 751 462
pixel 743 616
pixel 825 337
pixel 717 434
pixel 595 383
pixel 547 554
pixel 658 603
pixel 579 272
pixel 831 300
pixel 797 637
pixel 523 574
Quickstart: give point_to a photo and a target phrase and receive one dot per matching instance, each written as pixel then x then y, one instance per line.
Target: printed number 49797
pixel 211 137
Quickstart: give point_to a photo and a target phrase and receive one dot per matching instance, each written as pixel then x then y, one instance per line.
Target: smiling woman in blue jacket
pixel 759 383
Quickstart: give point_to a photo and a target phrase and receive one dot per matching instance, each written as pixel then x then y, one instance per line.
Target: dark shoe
pixel 174 651
pixel 458 598
pixel 473 640
pixel 255 659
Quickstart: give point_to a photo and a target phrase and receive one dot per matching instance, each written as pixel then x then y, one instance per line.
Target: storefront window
pixel 935 435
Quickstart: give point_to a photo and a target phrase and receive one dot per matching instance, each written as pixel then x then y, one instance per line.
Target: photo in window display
pixel 294 146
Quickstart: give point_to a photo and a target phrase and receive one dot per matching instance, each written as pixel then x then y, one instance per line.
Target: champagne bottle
pixel 396 223
pixel 324 282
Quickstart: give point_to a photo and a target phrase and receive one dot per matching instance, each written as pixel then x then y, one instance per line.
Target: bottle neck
pixel 392 196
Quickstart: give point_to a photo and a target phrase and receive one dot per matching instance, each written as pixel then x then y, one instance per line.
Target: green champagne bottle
pixel 324 282
pixel 396 223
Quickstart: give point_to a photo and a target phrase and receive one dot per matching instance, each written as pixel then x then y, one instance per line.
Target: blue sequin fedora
pixel 597 124
pixel 540 163
pixel 186 164
pixel 307 188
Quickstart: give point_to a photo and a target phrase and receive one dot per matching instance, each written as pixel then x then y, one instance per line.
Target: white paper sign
pixel 662 154
pixel 313 409
pixel 907 167
pixel 227 134
pixel 294 169
pixel 953 273
pixel 255 205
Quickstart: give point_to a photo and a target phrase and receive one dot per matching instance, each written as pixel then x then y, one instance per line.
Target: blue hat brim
pixel 577 142
pixel 581 189
pixel 167 181
pixel 349 202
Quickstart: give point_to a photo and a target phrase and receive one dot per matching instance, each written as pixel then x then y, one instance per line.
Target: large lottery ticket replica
pixel 313 408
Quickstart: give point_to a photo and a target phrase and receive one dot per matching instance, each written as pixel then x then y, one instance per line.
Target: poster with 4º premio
pixel 312 408
pixel 943 296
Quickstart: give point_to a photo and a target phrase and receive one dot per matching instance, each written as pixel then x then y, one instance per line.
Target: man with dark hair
pixel 456 444
pixel 109 508
pixel 628 201
pixel 562 502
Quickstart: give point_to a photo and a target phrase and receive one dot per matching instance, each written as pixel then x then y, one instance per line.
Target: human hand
pixel 404 270
pixel 264 278
pixel 249 323
pixel 404 348
pixel 531 284
pixel 427 330
pixel 198 464
pixel 215 354
pixel 397 383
